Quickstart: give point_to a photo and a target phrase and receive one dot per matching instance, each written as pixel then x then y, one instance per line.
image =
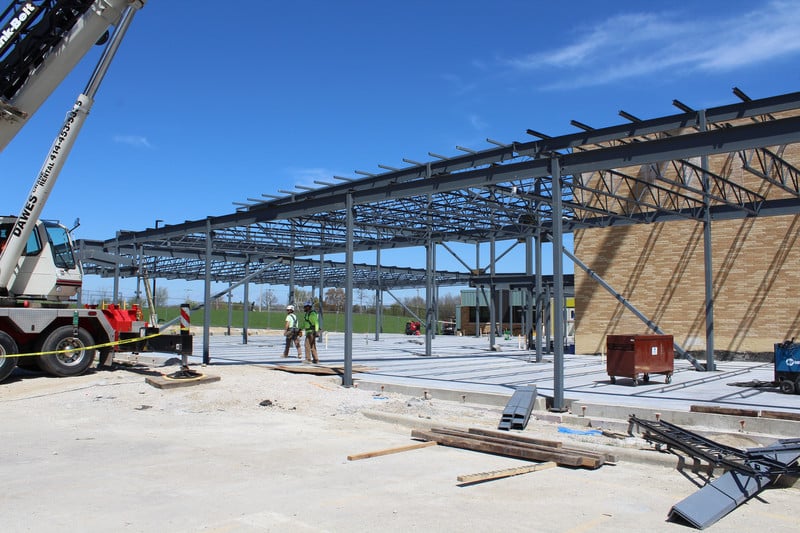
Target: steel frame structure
pixel 522 192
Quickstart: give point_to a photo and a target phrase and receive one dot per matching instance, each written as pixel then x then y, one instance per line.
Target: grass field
pixel 362 323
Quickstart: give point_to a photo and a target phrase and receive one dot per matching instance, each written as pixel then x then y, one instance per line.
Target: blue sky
pixel 213 104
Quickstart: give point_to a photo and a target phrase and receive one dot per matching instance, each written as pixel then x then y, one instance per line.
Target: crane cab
pixel 47 269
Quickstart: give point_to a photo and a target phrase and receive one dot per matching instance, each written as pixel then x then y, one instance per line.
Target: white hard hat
pixel 290 308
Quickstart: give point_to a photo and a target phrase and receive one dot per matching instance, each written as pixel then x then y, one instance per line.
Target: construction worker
pixel 311 327
pixel 292 332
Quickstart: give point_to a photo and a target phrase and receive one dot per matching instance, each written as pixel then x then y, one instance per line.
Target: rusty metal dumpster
pixel 632 356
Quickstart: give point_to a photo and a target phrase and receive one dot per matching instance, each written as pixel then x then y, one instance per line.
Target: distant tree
pixel 161 296
pixel 334 299
pixel 447 306
pixel 269 299
pixel 416 304
pixel 302 295
pixel 395 310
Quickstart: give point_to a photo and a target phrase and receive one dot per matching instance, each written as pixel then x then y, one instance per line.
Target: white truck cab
pixel 47 270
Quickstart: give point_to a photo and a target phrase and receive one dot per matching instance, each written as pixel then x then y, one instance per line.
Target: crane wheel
pixel 8 347
pixel 73 358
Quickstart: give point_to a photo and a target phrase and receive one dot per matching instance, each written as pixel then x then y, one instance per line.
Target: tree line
pixel 333 301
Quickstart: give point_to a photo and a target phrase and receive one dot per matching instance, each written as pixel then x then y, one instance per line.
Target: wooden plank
pixel 591 457
pixel 506 472
pixel 713 409
pixel 388 451
pixel 780 415
pixel 320 370
pixel 515 437
pixel 607 457
pixel 528 452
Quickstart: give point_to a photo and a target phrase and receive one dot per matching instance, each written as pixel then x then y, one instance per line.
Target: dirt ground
pixel 265 450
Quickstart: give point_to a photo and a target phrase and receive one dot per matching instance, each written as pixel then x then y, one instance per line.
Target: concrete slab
pixel 467 369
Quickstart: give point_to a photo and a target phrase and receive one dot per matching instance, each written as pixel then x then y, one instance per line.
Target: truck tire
pixel 787 387
pixel 71 363
pixel 7 348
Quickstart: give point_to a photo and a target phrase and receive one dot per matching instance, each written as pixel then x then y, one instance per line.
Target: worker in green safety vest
pixel 311 327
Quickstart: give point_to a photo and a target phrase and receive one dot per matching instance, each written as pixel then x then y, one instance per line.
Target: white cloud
pixel 460 87
pixel 639 44
pixel 133 140
pixel 307 176
pixel 477 122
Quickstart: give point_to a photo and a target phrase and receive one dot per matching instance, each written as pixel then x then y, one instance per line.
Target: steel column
pixel 246 304
pixel 428 298
pixel 378 295
pixel 320 313
pixel 558 290
pixel 477 300
pixel 707 255
pixel 207 295
pixel 230 310
pixel 492 293
pixel 347 377
pixel 538 268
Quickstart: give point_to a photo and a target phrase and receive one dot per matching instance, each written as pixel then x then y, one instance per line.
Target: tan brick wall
pixel 659 269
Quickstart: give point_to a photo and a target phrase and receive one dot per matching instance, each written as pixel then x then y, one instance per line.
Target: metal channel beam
pixel 715 500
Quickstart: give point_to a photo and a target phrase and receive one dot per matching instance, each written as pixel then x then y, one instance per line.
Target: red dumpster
pixel 632 356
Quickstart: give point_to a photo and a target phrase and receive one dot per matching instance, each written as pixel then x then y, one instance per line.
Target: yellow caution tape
pixel 94 347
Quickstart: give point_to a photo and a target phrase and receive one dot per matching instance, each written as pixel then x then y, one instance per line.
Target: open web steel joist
pixel 506 193
pixel 747 472
pixel 531 191
pixel 229 267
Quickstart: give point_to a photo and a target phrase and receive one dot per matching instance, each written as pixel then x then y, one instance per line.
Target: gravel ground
pixel 265 450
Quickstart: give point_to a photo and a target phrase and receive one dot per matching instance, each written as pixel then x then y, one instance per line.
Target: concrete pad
pixel 466 369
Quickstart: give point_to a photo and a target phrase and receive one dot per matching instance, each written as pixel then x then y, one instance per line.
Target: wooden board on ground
pixel 387 451
pixel 515 437
pixel 321 370
pixel 506 472
pixel 716 410
pixel 510 448
pixel 780 415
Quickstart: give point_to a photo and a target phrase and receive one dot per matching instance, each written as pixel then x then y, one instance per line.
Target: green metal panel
pixel 470 296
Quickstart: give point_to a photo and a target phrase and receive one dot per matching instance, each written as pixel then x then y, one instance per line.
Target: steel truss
pixel 506 192
pixel 638 172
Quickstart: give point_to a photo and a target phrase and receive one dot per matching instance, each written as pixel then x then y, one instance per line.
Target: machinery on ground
pixel 40 43
pixel 787 366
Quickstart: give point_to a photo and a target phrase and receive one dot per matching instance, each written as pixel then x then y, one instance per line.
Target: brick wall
pixel 659 269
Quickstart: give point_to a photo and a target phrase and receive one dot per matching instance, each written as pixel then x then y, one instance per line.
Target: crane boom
pixel 54 162
pixel 41 42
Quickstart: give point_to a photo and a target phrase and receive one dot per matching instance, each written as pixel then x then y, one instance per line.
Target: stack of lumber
pixel 514 445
